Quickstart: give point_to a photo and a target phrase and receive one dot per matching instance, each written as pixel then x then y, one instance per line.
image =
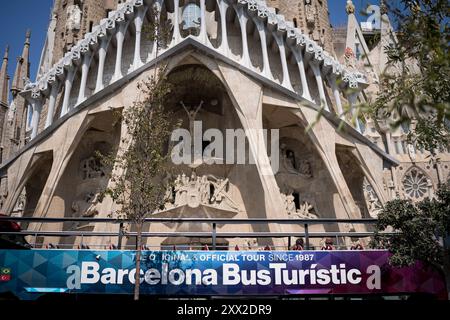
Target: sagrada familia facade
pixel 269 64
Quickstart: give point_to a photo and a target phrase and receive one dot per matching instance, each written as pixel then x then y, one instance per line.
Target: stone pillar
pixel 223 8
pixel 203 34
pixel 101 62
pixel 326 147
pixel 120 37
pixel 281 48
pixel 337 97
pixel 265 55
pixel 36 105
pixel 301 68
pixel 352 99
pixel 52 103
pixel 176 23
pixel 87 59
pixel 67 89
pixel 245 60
pixel 317 74
pixel 248 105
pixel 138 22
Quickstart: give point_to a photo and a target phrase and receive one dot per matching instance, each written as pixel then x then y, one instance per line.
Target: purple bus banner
pixel 30 273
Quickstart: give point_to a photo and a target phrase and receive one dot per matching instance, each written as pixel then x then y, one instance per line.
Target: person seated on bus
pixel 328 244
pixel 267 248
pixel 111 246
pixel 356 244
pixel 298 245
pixel 236 248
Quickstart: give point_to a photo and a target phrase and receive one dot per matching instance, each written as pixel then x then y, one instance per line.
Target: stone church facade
pixel 269 65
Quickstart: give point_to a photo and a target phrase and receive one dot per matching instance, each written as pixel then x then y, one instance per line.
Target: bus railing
pixel 214 234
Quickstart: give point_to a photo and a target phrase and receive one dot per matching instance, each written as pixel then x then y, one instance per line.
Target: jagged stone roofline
pixel 272 22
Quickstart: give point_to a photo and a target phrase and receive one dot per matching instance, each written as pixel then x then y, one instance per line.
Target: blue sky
pixel 16 16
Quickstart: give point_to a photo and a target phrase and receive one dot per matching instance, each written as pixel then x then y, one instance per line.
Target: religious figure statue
pixel 11 112
pixel 192 115
pixel 310 12
pixel 303 212
pixel 411 152
pixel 290 204
pixel 288 163
pixel 73 18
pixel 373 203
pixel 20 204
pixel 205 190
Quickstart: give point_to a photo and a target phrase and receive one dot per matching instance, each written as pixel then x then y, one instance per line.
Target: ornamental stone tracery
pixel 416 185
pixel 373 203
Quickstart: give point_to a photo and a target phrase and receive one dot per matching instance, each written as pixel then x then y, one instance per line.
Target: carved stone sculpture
pixel 196 190
pixel 91 168
pixel 303 212
pixel 73 18
pixel 373 203
pixel 86 207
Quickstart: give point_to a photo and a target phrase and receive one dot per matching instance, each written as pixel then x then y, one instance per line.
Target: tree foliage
pixel 416 83
pixel 419 229
pixel 141 170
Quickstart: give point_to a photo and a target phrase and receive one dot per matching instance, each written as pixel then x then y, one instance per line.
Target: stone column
pixel 301 68
pixel 265 55
pixel 176 23
pixel 203 34
pixel 101 62
pixel 248 105
pixel 87 59
pixel 223 7
pixel 52 103
pixel 138 22
pixel 318 75
pixel 352 99
pixel 245 60
pixel 281 48
pixel 36 105
pixel 337 97
pixel 120 37
pixel 67 89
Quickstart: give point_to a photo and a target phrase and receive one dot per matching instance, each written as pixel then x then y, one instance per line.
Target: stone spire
pixel 387 37
pixel 22 67
pixel 4 80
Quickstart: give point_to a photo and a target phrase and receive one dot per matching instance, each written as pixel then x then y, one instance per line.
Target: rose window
pixel 415 184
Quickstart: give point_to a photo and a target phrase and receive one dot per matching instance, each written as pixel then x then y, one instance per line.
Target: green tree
pixel 422 228
pixel 141 170
pixel 416 83
pixel 141 173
